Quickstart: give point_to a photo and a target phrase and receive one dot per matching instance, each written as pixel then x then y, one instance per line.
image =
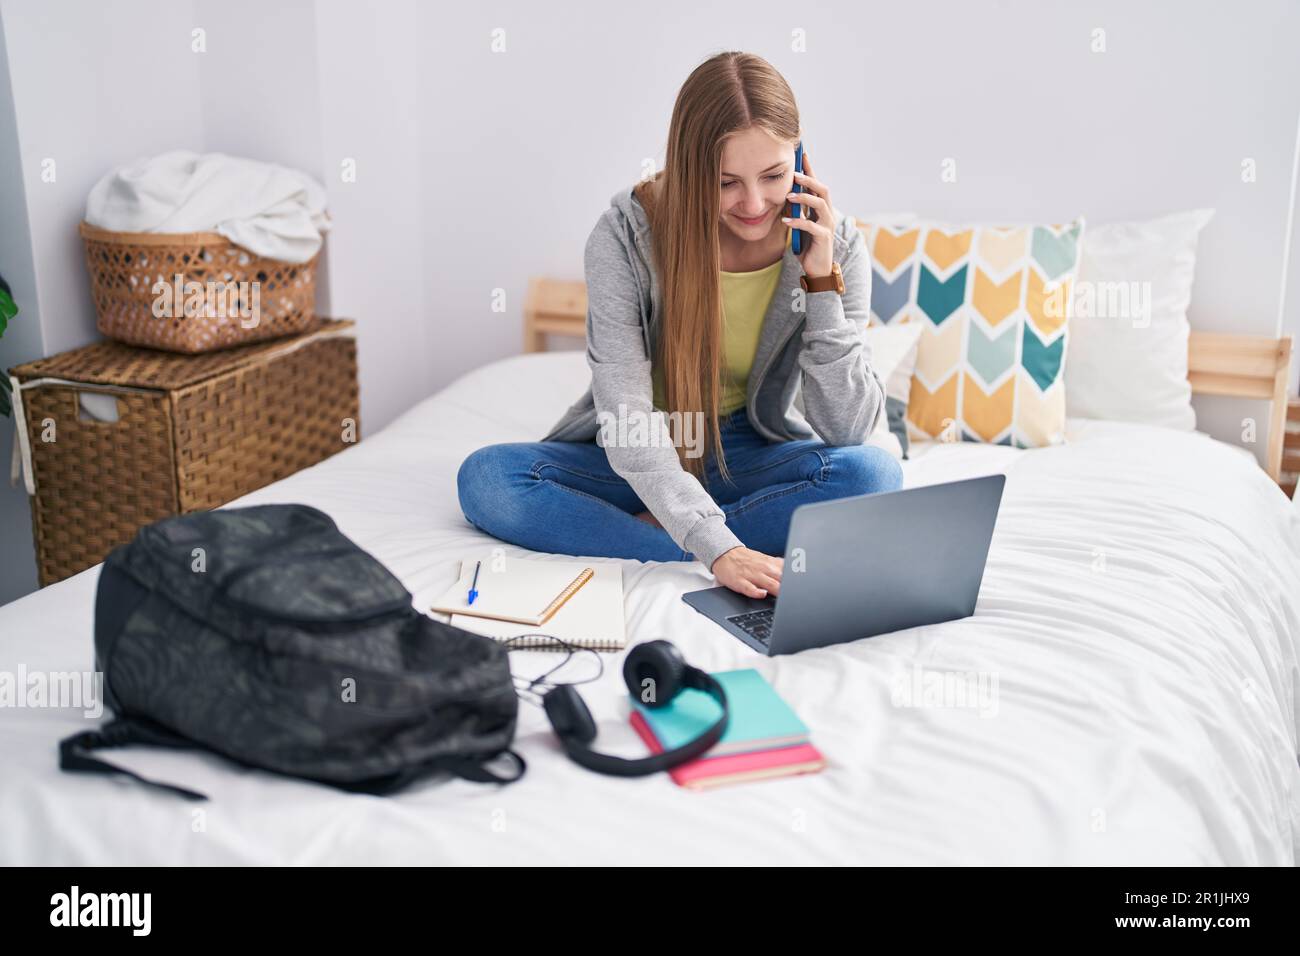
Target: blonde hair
pixel 726 94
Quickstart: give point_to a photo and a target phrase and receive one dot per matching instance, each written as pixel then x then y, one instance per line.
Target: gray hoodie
pixel 811 377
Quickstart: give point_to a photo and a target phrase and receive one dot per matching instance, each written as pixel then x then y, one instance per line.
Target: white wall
pixel 367 68
pixel 476 170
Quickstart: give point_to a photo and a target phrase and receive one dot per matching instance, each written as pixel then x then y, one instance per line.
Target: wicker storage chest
pixel 192 432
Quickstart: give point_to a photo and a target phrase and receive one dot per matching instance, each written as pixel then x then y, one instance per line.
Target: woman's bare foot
pixel 649 519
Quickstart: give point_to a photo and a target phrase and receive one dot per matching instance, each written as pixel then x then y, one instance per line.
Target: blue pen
pixel 473 584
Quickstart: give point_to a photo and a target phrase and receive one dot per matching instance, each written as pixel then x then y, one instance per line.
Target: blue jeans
pixel 564 498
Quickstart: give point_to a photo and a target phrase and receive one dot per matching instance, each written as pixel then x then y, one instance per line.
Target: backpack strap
pixel 74 755
pixel 477 769
pixel 74 751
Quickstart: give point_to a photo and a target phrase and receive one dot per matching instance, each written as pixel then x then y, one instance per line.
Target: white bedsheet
pixel 1140 613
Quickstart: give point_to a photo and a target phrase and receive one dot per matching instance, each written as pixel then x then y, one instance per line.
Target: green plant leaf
pixel 8 309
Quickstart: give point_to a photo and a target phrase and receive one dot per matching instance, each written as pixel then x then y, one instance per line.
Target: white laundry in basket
pixel 270 210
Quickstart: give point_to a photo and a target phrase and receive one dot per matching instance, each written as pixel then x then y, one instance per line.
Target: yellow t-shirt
pixel 745 300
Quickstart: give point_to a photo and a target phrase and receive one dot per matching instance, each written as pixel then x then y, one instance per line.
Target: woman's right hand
pixel 750 573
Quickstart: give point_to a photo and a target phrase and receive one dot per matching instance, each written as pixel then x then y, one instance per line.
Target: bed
pixel 1138 623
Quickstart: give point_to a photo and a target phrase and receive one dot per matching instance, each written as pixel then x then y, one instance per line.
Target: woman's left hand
pixel 816 222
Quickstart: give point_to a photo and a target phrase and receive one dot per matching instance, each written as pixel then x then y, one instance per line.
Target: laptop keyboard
pixel 757 624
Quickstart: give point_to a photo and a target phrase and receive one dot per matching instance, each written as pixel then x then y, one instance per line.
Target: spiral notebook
pixel 580 602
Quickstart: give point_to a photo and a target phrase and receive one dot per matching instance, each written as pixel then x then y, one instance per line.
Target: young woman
pixel 698 308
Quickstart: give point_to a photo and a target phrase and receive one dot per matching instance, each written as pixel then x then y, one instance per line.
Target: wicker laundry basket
pixel 192 432
pixel 193 292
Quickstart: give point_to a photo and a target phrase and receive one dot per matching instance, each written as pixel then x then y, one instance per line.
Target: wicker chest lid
pixel 112 363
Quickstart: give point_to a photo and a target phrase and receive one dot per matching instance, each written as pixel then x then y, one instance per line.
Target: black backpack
pixel 266 635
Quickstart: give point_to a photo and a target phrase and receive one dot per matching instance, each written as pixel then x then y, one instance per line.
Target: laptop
pixel 867 565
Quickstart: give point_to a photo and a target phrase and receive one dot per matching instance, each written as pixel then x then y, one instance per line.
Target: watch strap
pixel 831 283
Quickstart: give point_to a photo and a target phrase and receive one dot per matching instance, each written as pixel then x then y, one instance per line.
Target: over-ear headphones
pixel 657 667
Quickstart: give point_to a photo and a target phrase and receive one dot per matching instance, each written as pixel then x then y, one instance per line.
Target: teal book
pixel 760 719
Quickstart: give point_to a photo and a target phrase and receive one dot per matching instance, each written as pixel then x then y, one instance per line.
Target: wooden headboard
pixel 1245 366
pixel 555 306
pixel 1240 366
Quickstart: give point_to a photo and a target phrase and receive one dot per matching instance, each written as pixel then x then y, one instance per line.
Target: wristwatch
pixel 831 283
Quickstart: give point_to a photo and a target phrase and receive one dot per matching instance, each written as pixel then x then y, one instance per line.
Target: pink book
pixel 705 772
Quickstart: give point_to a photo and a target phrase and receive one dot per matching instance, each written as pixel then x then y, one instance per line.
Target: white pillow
pixel 893 358
pixel 1126 356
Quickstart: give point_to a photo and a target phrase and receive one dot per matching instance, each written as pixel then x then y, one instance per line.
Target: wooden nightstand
pixel 1291 449
pixel 554 306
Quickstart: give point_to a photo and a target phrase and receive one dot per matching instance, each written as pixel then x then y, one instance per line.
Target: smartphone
pixel 796 210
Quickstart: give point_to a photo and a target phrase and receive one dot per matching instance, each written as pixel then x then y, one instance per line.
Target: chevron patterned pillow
pixel 994 302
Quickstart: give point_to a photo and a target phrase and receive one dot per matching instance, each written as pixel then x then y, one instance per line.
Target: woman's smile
pixel 757 221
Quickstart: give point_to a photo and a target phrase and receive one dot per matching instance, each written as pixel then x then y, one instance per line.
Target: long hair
pixel 725 94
